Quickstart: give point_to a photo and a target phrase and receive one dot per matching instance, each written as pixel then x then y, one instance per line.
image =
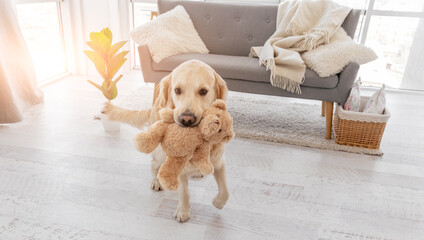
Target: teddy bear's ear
pixel 167 115
pixel 218 103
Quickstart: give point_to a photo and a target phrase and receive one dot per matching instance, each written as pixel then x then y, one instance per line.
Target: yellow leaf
pixel 97 49
pixel 115 63
pixel 98 62
pixel 110 94
pixel 117 58
pixel 101 40
pixel 113 83
pixel 96 85
pixel 107 33
pixel 113 93
pixel 113 71
pixel 117 79
pixel 115 47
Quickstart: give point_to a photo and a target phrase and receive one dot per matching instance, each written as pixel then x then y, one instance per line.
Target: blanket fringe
pixel 281 81
pixel 252 53
pixel 286 84
pixel 269 64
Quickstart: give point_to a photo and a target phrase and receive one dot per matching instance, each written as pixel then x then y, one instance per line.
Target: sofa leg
pixel 328 119
pixel 323 108
pixel 155 93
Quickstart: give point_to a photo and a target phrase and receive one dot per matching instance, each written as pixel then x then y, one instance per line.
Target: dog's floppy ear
pixel 221 87
pixel 164 97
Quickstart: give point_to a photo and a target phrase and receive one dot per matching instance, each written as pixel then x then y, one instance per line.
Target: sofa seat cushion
pixel 239 67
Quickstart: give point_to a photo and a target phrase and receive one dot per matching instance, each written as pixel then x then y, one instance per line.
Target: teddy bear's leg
pixel 170 170
pixel 148 141
pixel 202 159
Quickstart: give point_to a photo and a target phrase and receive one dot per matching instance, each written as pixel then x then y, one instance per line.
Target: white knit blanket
pixel 301 26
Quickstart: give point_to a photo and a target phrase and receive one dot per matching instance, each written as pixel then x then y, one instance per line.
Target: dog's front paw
pixel 220 201
pixel 108 109
pixel 182 214
pixel 156 185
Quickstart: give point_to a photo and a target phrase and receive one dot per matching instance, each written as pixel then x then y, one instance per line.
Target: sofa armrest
pixel 145 61
pixel 346 79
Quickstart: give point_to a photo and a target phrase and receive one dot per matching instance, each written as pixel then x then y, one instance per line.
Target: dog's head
pixel 190 89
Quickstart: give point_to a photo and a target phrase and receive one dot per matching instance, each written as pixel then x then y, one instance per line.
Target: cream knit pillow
pixel 330 59
pixel 169 34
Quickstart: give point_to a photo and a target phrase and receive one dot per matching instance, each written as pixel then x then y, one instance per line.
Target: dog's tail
pixel 134 118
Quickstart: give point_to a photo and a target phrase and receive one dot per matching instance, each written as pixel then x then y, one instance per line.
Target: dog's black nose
pixel 187 119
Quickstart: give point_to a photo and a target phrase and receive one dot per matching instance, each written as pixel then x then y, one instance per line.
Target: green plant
pixel 107 60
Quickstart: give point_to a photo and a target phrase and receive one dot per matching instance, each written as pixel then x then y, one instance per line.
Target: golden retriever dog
pixel 189 89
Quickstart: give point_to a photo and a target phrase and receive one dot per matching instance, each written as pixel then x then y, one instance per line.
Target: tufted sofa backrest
pixel 232 29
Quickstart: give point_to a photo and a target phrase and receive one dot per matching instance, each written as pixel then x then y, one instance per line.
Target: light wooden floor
pixel 63 177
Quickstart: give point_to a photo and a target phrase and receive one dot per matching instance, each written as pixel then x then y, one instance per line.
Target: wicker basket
pixel 359 129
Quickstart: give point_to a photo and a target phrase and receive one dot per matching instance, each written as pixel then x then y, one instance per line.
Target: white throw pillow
pixel 169 34
pixel 330 59
pixel 377 103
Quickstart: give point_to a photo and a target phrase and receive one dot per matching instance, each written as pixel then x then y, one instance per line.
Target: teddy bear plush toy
pixel 184 143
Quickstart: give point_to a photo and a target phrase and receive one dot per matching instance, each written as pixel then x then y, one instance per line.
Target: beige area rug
pixel 266 118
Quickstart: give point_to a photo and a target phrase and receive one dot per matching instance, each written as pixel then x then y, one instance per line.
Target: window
pixel 394 29
pixel 40 22
pixel 142 12
pixel 391 38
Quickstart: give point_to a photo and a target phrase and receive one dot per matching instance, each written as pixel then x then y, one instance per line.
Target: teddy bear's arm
pixel 148 141
pixel 201 158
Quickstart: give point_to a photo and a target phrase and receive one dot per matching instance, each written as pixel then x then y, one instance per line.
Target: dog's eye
pixel 203 92
pixel 220 130
pixel 177 91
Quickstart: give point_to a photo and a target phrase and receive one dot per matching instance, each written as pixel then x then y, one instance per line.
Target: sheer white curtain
pixel 80 17
pixel 18 86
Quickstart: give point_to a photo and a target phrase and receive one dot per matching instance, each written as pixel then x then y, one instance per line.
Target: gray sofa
pixel 229 31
